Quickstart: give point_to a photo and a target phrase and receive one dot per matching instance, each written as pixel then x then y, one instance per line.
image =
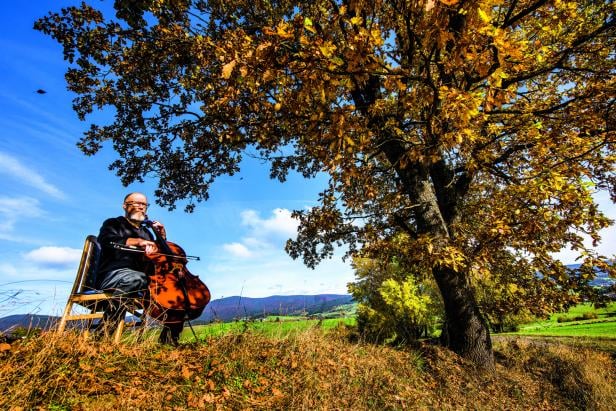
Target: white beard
pixel 136 217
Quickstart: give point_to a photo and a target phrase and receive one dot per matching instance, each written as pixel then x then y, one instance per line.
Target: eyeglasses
pixel 137 204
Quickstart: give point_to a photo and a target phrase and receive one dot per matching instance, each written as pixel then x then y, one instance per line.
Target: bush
pixel 509 322
pixel 590 315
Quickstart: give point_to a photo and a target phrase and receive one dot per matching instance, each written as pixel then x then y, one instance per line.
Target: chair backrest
pixel 92 268
pixel 88 266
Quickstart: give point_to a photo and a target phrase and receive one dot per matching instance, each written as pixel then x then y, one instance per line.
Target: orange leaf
pixel 186 372
pixel 227 69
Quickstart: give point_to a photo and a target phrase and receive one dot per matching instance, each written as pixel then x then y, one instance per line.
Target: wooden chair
pixel 85 294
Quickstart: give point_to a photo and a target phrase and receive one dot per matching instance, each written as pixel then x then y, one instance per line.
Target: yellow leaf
pixel 227 69
pixel 282 30
pixel 356 20
pixel 484 16
pixel 308 25
pixel 327 49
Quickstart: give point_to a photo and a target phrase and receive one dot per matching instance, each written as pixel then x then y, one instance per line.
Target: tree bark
pixel 465 330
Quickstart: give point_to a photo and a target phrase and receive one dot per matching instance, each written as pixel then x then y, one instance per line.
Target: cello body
pixel 175 294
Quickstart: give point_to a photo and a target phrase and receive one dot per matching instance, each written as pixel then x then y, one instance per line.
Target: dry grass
pixel 309 370
pixel 582 375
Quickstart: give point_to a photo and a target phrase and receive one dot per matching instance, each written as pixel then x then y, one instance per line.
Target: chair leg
pixel 88 325
pixel 117 335
pixel 67 311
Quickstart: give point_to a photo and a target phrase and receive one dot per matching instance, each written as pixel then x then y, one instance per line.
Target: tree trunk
pixel 465 331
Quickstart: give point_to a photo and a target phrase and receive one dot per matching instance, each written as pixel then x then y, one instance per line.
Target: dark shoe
pixel 167 339
pixel 170 334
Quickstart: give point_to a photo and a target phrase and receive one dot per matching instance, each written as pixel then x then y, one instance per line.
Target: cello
pixel 174 293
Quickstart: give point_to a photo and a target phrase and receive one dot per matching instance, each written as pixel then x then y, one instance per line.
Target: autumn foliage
pixel 451 132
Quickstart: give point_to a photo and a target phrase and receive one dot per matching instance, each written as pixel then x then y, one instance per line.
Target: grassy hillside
pixel 307 369
pixel 582 320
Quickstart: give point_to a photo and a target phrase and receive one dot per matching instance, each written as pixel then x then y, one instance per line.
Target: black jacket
pixel 117 230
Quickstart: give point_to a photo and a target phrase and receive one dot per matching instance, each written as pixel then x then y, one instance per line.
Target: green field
pixel 280 326
pixel 571 325
pixel 605 329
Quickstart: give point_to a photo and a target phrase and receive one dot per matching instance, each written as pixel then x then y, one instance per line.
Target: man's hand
pixel 160 229
pixel 149 247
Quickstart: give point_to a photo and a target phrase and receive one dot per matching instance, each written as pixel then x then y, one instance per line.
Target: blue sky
pixel 52 196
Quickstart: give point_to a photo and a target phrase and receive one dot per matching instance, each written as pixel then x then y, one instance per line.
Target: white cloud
pixel 54 256
pixel 263 234
pixel 272 273
pixel 258 266
pixel 14 168
pixel 237 250
pixel 607 246
pixel 13 209
pixel 281 223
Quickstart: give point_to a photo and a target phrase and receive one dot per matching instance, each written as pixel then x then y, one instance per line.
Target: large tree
pixel 450 129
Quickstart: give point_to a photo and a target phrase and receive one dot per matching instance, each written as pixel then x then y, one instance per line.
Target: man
pixel 123 272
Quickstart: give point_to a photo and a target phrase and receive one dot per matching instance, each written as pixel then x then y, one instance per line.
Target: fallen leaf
pixel 186 372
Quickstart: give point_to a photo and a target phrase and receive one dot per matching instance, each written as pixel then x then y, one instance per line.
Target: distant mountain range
pixel 224 309
pixel 27 321
pixel 230 308
pixel 601 279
